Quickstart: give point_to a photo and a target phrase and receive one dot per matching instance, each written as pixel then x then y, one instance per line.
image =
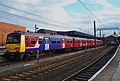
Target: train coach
pixel 19 45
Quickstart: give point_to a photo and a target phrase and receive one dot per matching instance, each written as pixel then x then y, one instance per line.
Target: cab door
pixel 46 43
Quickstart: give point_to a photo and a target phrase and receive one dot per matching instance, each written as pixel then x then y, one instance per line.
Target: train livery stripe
pixel 37 45
pixel 22 44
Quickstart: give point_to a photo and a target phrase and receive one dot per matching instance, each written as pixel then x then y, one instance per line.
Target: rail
pixel 89 72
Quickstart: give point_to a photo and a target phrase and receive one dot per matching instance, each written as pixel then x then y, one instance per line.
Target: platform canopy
pixel 76 34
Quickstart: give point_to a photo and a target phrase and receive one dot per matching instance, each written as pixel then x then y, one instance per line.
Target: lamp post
pixel 94 33
pixel 100 34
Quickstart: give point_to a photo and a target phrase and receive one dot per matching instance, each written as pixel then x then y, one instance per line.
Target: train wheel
pixel 21 56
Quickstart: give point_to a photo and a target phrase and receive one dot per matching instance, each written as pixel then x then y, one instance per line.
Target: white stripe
pixel 31 47
pixel 26 64
pixel 94 76
pixel 36 45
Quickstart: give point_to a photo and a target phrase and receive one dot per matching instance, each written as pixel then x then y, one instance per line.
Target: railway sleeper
pixel 33 76
pixel 80 79
pixel 92 68
pixel 14 77
pixel 20 75
pixel 89 72
pixel 36 69
pixel 83 76
pixel 6 79
pixel 31 71
pixel 27 78
pixel 86 74
pixel 26 73
pixel 74 80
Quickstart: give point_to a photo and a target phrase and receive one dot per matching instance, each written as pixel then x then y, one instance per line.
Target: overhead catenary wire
pixel 91 12
pixel 36 15
pixel 30 19
pixel 45 17
pixel 63 24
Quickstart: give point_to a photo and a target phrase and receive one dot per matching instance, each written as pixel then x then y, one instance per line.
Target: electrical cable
pixel 91 12
pixel 35 15
pixel 30 19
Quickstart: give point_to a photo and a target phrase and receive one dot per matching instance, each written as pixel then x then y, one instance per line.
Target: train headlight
pixel 17 48
pixel 7 48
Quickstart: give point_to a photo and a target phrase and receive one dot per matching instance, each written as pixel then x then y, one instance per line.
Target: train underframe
pixel 20 56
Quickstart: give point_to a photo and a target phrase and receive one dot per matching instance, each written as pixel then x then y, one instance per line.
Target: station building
pixel 46 31
pixel 112 40
pixel 6 28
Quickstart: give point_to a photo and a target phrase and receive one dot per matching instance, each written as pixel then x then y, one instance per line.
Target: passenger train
pixel 20 44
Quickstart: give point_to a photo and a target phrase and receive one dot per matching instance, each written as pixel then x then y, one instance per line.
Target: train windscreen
pixel 13 38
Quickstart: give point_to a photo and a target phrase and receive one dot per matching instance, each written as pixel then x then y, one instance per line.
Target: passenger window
pixel 53 41
pixel 67 41
pixel 77 41
pixel 40 41
pixel 33 41
pixel 46 41
pixel 70 41
pixel 58 41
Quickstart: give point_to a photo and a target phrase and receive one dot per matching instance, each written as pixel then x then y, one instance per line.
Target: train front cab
pixel 15 46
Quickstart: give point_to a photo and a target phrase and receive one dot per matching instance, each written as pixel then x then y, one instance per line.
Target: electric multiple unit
pixel 21 44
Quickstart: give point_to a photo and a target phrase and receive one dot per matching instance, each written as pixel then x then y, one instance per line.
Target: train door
pixel 81 43
pixel 27 41
pixel 46 43
pixel 63 43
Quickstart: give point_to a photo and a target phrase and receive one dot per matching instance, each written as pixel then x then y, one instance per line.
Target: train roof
pixel 40 34
pixel 81 38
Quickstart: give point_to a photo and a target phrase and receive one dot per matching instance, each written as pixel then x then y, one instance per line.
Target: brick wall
pixel 6 28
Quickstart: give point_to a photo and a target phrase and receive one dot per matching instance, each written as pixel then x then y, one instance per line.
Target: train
pixel 19 44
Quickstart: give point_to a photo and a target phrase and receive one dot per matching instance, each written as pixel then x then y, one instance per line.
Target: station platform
pixel 112 71
pixel 2 50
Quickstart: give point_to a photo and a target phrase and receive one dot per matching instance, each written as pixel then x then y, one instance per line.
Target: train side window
pixel 67 41
pixel 83 42
pixel 26 41
pixel 46 40
pixel 33 41
pixel 77 41
pixel 40 41
pixel 53 41
pixel 58 41
pixel 70 41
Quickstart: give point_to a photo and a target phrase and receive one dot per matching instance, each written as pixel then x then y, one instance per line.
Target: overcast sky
pixel 70 12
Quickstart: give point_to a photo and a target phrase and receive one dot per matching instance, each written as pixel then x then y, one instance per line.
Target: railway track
pixel 42 56
pixel 30 72
pixel 7 62
pixel 18 75
pixel 86 74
